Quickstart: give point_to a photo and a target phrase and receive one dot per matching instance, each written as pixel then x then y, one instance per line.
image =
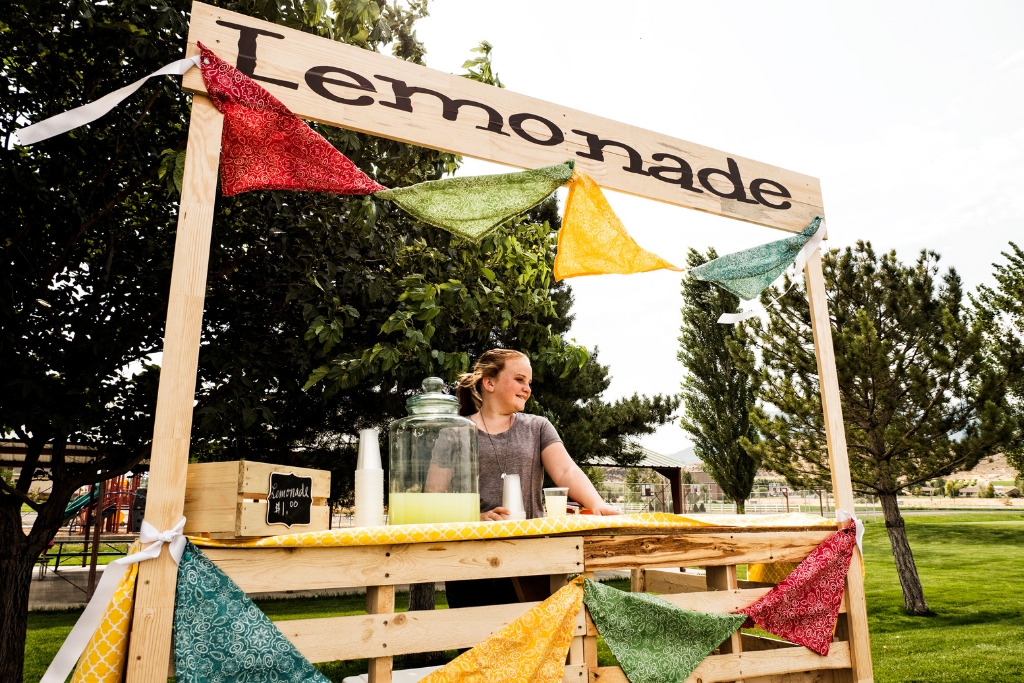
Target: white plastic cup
pixel 556 499
pixel 512 494
pixel 369 450
pixel 369 498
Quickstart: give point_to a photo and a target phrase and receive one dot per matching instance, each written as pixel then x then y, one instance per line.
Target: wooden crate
pixel 229 499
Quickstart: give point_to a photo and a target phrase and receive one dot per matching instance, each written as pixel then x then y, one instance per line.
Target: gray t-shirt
pixel 515 451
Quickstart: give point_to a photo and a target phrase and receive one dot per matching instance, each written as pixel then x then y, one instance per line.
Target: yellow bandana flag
pixel 531 649
pixel 593 241
pixel 104 657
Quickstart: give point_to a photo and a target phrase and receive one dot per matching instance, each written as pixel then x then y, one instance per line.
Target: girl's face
pixel 511 388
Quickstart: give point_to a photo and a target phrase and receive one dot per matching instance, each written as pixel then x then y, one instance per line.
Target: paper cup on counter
pixel 512 494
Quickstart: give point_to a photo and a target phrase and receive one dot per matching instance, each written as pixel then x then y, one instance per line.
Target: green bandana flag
pixel 220 636
pixel 749 272
pixel 655 641
pixel 474 206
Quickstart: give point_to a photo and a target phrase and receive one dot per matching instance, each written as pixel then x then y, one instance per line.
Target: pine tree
pixel 717 395
pixel 921 396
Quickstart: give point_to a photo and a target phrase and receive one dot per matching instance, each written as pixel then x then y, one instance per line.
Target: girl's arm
pixel 564 472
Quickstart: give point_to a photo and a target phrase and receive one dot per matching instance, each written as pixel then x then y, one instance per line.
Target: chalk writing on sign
pixel 290 499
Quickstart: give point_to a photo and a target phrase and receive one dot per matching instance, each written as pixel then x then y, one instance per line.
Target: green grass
pixel 971 565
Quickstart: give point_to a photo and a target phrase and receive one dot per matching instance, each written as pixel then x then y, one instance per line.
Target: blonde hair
pixel 490 364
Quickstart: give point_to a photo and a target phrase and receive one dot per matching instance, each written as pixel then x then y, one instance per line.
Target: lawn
pixel 971 565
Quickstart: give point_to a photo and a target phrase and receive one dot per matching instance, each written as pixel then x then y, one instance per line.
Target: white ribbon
pixel 801 260
pixel 87 113
pixel 844 516
pixel 78 639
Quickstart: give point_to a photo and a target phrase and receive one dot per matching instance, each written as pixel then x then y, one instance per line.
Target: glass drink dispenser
pixel 434 475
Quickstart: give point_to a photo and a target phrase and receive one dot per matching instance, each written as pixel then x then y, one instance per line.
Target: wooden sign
pixel 342 85
pixel 290 499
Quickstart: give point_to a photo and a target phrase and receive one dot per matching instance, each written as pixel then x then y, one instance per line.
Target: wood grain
pixel 747 665
pixel 289 58
pixel 172 428
pixel 720 601
pixel 672 582
pixel 839 464
pixel 258 570
pixel 712 549
pixel 723 578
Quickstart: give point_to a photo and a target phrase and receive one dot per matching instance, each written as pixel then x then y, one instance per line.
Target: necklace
pixel 487 431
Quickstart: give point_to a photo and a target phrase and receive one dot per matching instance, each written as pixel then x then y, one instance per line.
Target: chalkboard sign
pixel 289 500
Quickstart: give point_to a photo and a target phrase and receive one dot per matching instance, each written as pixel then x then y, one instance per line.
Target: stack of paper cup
pixel 512 497
pixel 369 481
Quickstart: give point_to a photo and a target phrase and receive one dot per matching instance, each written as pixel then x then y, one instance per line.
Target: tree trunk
pixel 741 506
pixel 421 597
pixel 913 593
pixel 15 577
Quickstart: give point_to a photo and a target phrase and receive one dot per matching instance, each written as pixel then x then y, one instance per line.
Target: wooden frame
pixel 464 117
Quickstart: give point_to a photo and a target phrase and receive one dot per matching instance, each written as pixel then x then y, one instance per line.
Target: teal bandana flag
pixel 749 272
pixel 655 641
pixel 474 206
pixel 220 636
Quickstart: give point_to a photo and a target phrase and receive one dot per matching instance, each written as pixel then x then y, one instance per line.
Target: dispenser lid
pixel 433 399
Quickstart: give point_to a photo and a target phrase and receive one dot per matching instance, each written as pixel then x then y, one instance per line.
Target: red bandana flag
pixel 804 607
pixel 267 147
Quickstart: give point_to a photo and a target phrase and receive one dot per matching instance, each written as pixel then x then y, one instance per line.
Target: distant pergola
pixel 670 468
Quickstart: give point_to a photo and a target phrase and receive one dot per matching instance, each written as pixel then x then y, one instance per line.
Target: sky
pixel 911 114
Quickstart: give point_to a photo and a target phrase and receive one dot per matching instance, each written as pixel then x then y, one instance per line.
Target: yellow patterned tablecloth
pixel 542 526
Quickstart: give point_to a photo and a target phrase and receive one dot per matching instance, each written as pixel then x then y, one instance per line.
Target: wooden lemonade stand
pixel 345 86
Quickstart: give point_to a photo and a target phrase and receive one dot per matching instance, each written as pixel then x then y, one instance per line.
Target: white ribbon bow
pixel 844 516
pixel 78 639
pixel 801 260
pixel 87 113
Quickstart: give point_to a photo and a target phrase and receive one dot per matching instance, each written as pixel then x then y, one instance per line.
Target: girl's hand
pixel 605 509
pixel 494 515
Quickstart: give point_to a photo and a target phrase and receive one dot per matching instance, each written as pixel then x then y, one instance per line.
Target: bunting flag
pixel 655 641
pixel 749 272
pixel 104 657
pixel 474 206
pixel 593 241
pixel 803 608
pixel 220 635
pixel 266 147
pixel 532 648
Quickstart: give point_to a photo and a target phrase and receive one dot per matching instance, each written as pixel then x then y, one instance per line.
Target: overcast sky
pixel 911 114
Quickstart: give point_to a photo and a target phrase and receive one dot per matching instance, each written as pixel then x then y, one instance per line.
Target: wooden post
pixel 154 597
pixel 96 542
pixel 839 464
pixel 380 600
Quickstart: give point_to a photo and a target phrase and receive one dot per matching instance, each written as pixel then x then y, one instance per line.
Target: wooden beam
pixel 746 665
pixel 172 428
pixel 380 600
pixel 723 578
pixel 343 85
pixel 259 570
pixel 673 582
pixel 839 463
pixel 713 549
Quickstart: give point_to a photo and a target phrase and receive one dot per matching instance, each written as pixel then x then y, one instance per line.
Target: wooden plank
pixel 576 673
pixel 752 643
pixel 380 600
pixel 720 601
pixel 258 570
pixel 748 665
pixel 713 549
pixel 724 579
pixel 637 580
pixel 820 676
pixel 547 133
pixel 172 428
pixel 672 582
pixel 338 638
pixel 255 478
pixel 252 520
pixel 839 464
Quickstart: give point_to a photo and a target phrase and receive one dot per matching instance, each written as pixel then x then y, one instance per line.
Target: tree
pixel 920 395
pixel 718 396
pixel 1002 308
